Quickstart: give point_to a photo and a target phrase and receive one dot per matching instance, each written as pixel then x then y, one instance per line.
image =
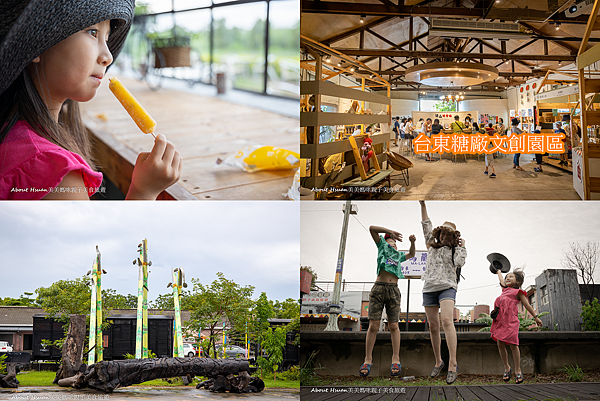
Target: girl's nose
pixel 105 57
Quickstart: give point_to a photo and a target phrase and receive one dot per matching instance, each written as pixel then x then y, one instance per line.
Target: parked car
pixel 5 347
pixel 235 351
pixel 189 350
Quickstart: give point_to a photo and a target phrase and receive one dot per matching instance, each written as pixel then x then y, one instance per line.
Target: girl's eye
pixel 93 32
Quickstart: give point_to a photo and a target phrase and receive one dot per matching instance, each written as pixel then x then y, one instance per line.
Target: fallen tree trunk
pixel 231 374
pixel 72 350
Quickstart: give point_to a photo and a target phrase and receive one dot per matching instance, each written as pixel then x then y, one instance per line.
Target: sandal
pixel 436 370
pixel 506 376
pixel 452 376
pixel 397 367
pixel 520 168
pixel 367 367
pixel 519 378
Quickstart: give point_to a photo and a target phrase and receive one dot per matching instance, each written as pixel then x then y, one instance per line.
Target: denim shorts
pixel 434 298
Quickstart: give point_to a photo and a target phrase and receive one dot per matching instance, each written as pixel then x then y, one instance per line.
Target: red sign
pixel 305 281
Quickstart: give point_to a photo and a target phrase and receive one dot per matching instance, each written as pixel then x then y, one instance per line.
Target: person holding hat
pixel 505 327
pixel 385 293
pixel 54 54
pixel 516 130
pixel 446 254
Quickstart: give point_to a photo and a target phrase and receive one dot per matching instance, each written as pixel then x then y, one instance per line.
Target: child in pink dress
pixel 505 328
pixel 54 54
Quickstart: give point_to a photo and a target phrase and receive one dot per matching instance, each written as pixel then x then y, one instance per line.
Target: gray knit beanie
pixel 30 27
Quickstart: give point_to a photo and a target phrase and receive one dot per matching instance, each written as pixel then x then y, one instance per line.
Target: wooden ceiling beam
pixel 430 54
pixel 351 32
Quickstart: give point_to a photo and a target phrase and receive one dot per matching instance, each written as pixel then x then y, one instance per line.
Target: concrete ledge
pixel 342 353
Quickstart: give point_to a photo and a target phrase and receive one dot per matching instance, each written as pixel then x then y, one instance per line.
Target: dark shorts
pixel 388 295
pixel 434 298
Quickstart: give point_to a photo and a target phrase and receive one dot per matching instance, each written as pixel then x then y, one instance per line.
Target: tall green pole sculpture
pixel 141 337
pixel 178 283
pixel 96 312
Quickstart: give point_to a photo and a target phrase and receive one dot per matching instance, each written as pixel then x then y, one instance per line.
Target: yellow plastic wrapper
pixel 257 158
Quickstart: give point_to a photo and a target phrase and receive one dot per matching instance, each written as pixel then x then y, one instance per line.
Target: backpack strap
pixel 457 269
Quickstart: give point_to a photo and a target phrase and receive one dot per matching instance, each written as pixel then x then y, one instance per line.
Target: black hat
pixel 566 117
pixel 515 121
pixel 498 262
pixel 30 27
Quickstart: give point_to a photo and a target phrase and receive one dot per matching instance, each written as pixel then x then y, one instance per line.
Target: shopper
pixel 516 130
pixel 490 129
pixel 428 129
pixel 409 130
pixel 457 126
pixel 396 130
pixel 436 127
pixel 402 132
pixel 446 254
pixel 564 157
pixel 385 292
pixel 505 327
pixel 500 127
pixel 538 157
pixel 565 128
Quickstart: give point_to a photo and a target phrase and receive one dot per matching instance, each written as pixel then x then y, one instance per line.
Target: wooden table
pixel 202 130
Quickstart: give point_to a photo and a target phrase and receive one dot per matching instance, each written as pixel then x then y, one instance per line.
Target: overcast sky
pixel 252 243
pixel 532 235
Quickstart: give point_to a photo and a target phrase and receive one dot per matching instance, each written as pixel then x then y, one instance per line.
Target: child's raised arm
pixel 526 305
pixel 411 251
pixel 424 215
pixel 501 278
pixel 376 230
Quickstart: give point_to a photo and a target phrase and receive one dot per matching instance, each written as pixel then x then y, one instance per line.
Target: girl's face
pixel 510 280
pixel 445 238
pixel 74 68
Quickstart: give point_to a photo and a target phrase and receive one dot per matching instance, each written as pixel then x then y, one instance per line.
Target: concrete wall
pixel 342 353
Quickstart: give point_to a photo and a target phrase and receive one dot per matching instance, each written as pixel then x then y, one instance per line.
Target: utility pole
pixel 334 308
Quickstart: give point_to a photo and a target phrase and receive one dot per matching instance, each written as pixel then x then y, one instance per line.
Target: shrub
pixel 590 313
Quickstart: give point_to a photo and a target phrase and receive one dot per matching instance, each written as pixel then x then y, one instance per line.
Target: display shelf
pixel 312 118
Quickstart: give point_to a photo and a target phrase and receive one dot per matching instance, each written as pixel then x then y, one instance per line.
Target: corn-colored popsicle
pixel 141 117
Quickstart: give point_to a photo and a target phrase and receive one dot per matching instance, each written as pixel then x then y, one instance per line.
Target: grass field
pixel 44 378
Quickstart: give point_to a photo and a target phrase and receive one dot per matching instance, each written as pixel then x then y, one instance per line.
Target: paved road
pixel 141 393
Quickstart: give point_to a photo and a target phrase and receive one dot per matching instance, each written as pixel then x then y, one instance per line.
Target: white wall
pixel 496 107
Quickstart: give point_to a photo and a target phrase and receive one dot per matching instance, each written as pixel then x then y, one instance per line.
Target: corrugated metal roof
pixel 18 315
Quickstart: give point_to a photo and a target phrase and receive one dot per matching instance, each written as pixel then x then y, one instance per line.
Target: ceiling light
pixel 362 18
pixel 451 74
pixel 557 26
pixel 339 64
pixel 328 59
pixel 462 97
pixel 560 63
pixel 507 61
pixel 442 97
pixel 352 69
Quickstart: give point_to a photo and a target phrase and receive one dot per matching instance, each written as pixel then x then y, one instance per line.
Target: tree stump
pixel 229 374
pixel 9 380
pixel 72 350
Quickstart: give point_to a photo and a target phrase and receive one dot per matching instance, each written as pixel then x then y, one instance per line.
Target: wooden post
pixel 141 338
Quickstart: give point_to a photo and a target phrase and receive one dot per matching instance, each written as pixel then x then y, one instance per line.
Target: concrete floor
pixel 151 393
pixel 448 180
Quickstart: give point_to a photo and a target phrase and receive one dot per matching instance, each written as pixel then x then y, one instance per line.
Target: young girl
pixel 47 65
pixel 446 253
pixel 505 328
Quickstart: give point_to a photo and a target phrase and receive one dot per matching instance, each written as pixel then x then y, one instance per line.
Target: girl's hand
pixel 155 171
pixel 422 202
pixel 461 242
pixel 538 322
pixel 412 238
